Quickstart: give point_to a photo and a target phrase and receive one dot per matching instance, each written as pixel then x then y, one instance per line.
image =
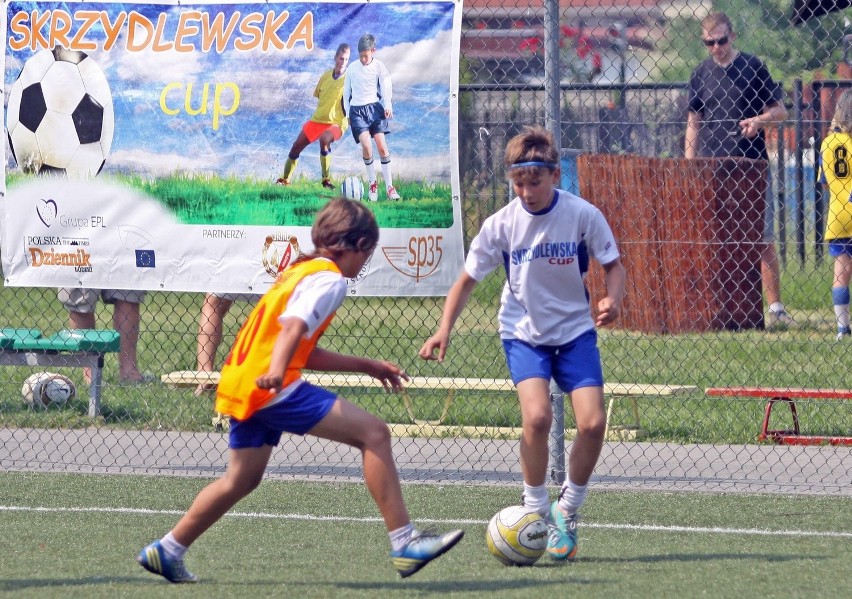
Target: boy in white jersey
pixel 544 238
pixel 367 100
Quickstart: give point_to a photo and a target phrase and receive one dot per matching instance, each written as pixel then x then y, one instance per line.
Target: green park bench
pixel 69 348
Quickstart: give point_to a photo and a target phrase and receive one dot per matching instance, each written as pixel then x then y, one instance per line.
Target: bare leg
pixel 769 272
pixel 125 319
pixel 83 320
pixel 588 404
pixel 536 419
pixel 210 326
pixel 348 424
pixel 245 471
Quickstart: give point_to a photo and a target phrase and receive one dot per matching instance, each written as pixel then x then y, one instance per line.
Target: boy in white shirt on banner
pixel 367 100
pixel 544 239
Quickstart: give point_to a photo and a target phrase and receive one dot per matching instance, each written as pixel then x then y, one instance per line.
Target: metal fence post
pixel 557 435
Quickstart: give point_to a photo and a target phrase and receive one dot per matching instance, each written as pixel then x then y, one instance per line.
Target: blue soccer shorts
pixel 296 414
pixel 839 247
pixel 572 365
pixel 370 117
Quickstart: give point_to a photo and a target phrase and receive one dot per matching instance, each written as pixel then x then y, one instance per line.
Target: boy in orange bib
pixel 262 390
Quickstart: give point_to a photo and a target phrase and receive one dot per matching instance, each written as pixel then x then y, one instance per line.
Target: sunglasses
pixel 717 42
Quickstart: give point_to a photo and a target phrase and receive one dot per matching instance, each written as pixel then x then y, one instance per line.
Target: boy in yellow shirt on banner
pixel 262 390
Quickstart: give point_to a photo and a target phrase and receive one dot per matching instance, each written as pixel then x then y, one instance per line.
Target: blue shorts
pixel 370 117
pixel 296 414
pixel 840 246
pixel 572 365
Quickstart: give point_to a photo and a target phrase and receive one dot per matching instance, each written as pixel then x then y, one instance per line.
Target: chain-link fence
pixel 699 350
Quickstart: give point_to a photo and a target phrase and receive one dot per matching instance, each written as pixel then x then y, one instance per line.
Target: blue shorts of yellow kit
pixel 572 365
pixel 839 247
pixel 296 414
pixel 370 117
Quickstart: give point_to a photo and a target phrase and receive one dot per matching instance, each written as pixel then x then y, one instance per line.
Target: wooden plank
pixel 770 392
pixel 191 378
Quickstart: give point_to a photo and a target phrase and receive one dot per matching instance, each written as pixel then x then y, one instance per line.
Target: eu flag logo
pixel 145 259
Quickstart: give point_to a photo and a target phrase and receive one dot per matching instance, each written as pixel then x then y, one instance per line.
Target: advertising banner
pixel 187 147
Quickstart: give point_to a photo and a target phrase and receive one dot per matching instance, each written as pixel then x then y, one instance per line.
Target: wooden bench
pixel 450 385
pixel 788 396
pixel 69 348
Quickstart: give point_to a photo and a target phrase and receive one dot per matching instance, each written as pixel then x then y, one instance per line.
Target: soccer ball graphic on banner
pixel 517 536
pixel 45 389
pixel 352 188
pixel 60 117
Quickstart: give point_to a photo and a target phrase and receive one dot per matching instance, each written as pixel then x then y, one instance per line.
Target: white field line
pixel 312 518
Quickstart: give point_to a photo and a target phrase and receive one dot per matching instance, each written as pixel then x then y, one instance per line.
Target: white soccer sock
pixel 572 496
pixel 386 170
pixel 172 548
pixel 400 537
pixel 536 498
pixel 371 169
pixel 842 314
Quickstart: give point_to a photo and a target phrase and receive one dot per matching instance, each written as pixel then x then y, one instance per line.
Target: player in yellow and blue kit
pixel 262 390
pixel 836 173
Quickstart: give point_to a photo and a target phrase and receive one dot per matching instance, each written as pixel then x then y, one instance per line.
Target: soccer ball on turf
pixel 44 389
pixel 352 188
pixel 517 536
pixel 60 117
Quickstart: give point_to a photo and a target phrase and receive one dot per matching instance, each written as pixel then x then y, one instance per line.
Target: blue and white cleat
pixel 562 540
pixel 155 560
pixel 423 547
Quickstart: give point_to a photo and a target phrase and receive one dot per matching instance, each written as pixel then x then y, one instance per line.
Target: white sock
pixel 172 548
pixel 371 170
pixel 537 498
pixel 842 314
pixel 386 170
pixel 776 307
pixel 572 497
pixel 400 537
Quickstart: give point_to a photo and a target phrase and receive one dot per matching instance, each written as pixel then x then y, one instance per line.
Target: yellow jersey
pixel 329 92
pixel 836 172
pixel 237 394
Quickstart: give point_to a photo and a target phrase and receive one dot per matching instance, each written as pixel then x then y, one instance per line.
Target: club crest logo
pixel 279 252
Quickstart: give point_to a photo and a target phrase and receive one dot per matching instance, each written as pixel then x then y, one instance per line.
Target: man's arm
pixel 693 124
pixel 773 114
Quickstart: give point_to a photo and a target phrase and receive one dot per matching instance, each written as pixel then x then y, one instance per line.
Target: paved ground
pixel 627 465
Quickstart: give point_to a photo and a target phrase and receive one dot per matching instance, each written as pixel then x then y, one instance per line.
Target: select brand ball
pixel 517 536
pixel 44 389
pixel 352 188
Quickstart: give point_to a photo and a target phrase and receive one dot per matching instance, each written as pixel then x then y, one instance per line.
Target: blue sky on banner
pixel 275 89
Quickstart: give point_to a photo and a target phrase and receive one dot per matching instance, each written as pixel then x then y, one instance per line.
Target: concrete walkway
pixel 623 465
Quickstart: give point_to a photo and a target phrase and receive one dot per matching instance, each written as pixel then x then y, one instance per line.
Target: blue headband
pixel 550 165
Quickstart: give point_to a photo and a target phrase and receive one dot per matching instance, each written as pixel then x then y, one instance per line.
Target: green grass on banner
pixel 214 200
pixel 91 554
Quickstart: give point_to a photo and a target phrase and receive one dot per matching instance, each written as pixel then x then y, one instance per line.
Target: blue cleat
pixel 155 560
pixel 562 540
pixel 423 547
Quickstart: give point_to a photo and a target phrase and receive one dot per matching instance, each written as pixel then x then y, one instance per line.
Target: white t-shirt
pixel 546 257
pixel 367 85
pixel 315 298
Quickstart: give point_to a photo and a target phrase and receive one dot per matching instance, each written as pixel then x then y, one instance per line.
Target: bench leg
pixel 97 370
pixel 765 433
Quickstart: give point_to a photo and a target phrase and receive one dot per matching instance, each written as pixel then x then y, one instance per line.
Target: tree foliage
pixel 763 28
